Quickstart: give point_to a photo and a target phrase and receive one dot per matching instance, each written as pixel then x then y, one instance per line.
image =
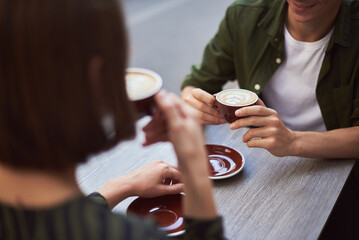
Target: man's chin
pixel 303 18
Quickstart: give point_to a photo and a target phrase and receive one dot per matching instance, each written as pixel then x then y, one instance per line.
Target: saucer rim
pixel 233 173
pixel 173 234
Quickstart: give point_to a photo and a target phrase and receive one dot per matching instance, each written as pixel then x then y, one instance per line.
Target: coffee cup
pixel 142 85
pixel 229 100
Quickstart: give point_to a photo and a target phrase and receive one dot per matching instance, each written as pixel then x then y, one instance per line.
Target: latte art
pixel 237 97
pixel 141 85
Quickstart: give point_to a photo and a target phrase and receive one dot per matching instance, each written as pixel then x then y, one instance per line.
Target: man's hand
pixel 202 102
pixel 269 132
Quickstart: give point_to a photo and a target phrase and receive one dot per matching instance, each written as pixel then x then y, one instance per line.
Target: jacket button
pixel 278 60
pixel 257 87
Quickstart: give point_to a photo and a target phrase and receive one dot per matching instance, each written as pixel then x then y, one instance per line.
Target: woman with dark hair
pixel 62 67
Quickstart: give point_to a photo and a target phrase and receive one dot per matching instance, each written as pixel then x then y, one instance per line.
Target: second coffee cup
pixel 229 100
pixel 142 85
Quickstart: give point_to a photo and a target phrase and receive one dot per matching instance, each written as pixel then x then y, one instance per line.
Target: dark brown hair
pixel 49 117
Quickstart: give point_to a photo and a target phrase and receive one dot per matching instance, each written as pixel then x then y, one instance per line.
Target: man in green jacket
pixel 302 58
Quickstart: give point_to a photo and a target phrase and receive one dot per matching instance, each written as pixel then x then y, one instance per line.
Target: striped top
pixel 89 218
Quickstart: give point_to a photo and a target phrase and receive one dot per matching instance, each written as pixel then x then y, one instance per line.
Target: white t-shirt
pixel 291 90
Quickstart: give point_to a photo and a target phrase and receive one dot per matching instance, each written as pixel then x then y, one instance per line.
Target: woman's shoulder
pixel 105 224
pixel 79 218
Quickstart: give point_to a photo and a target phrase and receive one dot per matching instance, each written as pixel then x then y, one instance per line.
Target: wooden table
pixel 271 198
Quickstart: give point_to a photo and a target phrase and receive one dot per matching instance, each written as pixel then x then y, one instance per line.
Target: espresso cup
pixel 142 85
pixel 229 100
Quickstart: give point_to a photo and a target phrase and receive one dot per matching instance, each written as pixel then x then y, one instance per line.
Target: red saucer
pixel 224 161
pixel 165 210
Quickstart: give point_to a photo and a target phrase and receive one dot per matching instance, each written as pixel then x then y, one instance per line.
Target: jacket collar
pixel 342 25
pixel 273 21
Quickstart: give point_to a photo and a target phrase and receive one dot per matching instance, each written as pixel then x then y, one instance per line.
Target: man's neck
pixel 37 189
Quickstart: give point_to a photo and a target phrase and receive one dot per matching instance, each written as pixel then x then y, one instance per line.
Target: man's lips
pixel 301 5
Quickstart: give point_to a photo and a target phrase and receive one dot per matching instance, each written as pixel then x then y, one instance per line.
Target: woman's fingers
pixel 170 189
pixel 171 181
pixel 158 120
pixel 173 173
pixel 168 106
pixel 158 137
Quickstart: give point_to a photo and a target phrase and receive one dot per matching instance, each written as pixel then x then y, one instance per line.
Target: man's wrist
pixel 297 143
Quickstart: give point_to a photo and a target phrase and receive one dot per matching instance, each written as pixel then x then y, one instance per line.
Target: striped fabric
pixel 88 218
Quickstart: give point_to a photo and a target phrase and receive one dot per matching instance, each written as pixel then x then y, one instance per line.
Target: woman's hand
pixel 176 122
pixel 202 102
pixel 151 180
pixel 270 132
pixel 156 130
pixel 183 130
pixel 154 178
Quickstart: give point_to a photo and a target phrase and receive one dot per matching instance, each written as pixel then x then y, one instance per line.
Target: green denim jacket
pixel 249 47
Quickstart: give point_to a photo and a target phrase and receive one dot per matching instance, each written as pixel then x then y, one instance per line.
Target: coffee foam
pixel 237 97
pixel 140 85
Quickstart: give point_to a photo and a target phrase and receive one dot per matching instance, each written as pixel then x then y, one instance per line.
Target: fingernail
pixel 163 95
pixel 238 112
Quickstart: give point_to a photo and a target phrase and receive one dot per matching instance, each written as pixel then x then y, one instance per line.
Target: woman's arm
pixel 183 130
pixel 147 181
